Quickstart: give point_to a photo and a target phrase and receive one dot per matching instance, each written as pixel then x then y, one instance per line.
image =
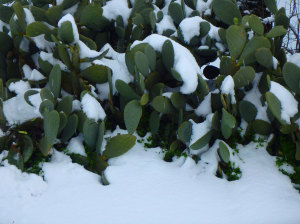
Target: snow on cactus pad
pixel 184 61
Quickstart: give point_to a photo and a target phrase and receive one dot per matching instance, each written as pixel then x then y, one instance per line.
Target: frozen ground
pixel 146 190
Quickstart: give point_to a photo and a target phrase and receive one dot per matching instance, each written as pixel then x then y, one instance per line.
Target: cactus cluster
pixel 143 76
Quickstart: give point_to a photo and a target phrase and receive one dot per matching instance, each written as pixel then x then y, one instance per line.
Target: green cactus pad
pixel 247 110
pixel 271 4
pixel 274 106
pixel 176 12
pixel 37 28
pixel 168 55
pixel 201 142
pixel 53 14
pixel 184 132
pixel 70 128
pixel 154 122
pixel 27 147
pixel 65 32
pixel 95 73
pixel 248 54
pixel 264 57
pixel 256 25
pixel 228 122
pixel 276 31
pixel 63 119
pixel 125 90
pixel 4 38
pixel 291 75
pixel 223 152
pixel 204 29
pixel 261 127
pixel 55 80
pixel 162 104
pixel 119 145
pixel 51 126
pixel 101 132
pixel 244 76
pixel 176 75
pixel 178 100
pixel 90 133
pixel 29 93
pixel 141 63
pixel 46 94
pixel 236 39
pixel 151 56
pixel 46 106
pixel 132 115
pixel 65 105
pixel 226 10
pixel 144 99
pixel 92 18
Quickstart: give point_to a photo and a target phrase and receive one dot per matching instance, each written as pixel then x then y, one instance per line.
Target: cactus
pixel 261 127
pixel 141 62
pixel 291 75
pixel 226 10
pixel 178 100
pixel 101 132
pixel 236 39
pixel 46 106
pixel 228 122
pixel 70 128
pixel 176 12
pixel 132 116
pixel 248 55
pixel 168 55
pixel 247 110
pixel 271 4
pixel 184 132
pixel 51 126
pixel 264 57
pixel 244 76
pixel 46 94
pixel 55 80
pixel 65 105
pixel 274 105
pixel 95 73
pixel 65 32
pixel 118 145
pixel 90 133
pixel 256 25
pixel 201 142
pixel 276 31
pixel 223 152
pixel 125 90
pixel 154 122
pixel 162 104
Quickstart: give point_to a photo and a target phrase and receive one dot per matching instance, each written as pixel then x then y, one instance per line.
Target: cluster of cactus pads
pixel 144 75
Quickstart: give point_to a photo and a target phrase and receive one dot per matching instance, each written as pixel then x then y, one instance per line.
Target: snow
pixel 287 168
pixel 184 61
pixel 204 107
pixel 227 87
pixel 75 146
pixel 114 8
pixel 165 24
pixel 254 96
pixel 200 129
pixel 19 87
pixel 190 27
pixel 92 108
pixel 16 110
pixel 32 75
pixel 289 105
pixel 143 188
pixel 85 51
pixel 53 61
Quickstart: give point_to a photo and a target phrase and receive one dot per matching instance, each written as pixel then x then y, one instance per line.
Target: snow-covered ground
pixel 144 189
